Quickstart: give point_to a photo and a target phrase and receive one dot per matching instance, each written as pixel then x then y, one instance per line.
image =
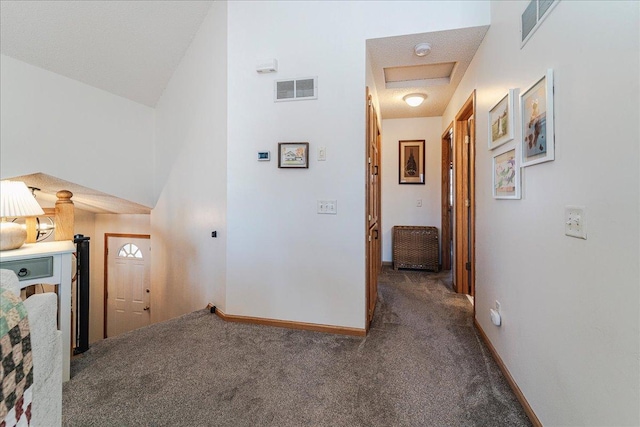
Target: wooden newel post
pixel 64 215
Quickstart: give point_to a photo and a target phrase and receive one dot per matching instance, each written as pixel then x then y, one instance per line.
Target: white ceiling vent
pixel 296 90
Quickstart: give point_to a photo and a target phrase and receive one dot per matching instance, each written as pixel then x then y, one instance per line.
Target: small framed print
pixel 502 119
pixel 506 175
pixel 411 162
pixel 536 106
pixel 293 155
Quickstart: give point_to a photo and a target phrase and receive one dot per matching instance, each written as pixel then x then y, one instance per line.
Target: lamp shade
pixel 16 200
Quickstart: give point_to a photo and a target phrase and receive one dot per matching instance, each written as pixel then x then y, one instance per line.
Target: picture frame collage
pixel 535 142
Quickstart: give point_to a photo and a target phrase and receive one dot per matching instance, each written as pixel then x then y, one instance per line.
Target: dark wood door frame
pixel 106 270
pixel 464 198
pixel 445 206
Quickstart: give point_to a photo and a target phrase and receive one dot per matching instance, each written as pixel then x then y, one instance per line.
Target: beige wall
pixel 399 201
pixel 570 307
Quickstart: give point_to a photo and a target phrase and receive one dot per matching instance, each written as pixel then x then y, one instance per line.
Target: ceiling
pixel 436 75
pixel 84 198
pixel 128 48
pixel 132 48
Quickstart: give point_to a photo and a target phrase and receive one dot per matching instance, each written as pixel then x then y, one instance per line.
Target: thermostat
pixel 264 156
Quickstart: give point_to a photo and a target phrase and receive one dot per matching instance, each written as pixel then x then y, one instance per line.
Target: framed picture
pixel 501 120
pixel 506 175
pixel 536 105
pixel 411 162
pixel 293 155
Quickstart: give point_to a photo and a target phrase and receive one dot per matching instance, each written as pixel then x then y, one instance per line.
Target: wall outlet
pixel 419 203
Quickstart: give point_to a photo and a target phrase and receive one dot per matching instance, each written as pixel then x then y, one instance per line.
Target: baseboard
pixel 387 263
pixel 291 325
pixel 512 383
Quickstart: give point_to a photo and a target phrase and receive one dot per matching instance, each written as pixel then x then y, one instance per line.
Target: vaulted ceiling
pixel 128 48
pixel 131 49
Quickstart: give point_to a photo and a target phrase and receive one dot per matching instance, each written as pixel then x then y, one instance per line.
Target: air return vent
pixel 296 90
pixel 532 17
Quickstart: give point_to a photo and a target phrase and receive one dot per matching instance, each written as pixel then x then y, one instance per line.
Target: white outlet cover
pixel 575 222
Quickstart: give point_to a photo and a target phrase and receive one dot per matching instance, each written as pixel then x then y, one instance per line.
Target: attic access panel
pixel 296 89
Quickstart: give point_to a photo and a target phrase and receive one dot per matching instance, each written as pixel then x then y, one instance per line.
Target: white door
pixel 127 284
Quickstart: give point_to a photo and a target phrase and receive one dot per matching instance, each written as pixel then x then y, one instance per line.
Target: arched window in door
pixel 129 250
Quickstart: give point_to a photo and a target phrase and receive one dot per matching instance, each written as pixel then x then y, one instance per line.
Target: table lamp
pixel 15 201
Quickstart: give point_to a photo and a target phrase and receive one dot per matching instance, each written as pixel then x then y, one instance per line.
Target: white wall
pixel 570 334
pixel 284 260
pixel 399 202
pixel 188 266
pixel 67 129
pixel 107 223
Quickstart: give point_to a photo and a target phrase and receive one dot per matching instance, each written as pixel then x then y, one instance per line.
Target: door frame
pixel 464 177
pixel 373 245
pixel 445 206
pixel 106 270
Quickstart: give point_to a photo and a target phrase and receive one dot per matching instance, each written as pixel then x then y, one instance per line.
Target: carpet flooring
pixel 422 364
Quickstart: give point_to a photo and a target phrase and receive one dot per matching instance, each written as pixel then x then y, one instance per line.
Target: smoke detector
pixel 422 49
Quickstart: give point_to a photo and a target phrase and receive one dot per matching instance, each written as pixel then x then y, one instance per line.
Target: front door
pixel 127 287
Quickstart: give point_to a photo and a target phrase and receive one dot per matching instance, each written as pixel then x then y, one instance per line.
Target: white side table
pixel 51 263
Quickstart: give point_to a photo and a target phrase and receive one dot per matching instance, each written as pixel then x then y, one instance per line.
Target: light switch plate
pixel 322 154
pixel 575 222
pixel 329 207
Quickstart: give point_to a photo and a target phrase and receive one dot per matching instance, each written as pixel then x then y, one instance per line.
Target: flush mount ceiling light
pixel 422 49
pixel 414 99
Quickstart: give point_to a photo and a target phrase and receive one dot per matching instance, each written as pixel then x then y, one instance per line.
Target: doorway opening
pixel 464 198
pixel 127 264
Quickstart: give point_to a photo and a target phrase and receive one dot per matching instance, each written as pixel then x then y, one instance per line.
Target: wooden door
pixel 127 284
pixel 464 200
pixel 373 214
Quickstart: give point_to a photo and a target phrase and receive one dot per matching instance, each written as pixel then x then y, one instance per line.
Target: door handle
pixel 375 169
pixel 377 234
pixel 146 308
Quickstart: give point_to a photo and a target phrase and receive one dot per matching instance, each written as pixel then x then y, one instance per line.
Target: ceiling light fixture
pixel 414 99
pixel 422 49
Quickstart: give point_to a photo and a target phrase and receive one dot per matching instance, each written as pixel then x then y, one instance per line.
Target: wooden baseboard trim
pixel 387 263
pixel 291 325
pixel 512 383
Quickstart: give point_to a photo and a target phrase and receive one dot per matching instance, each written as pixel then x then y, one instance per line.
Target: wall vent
pixel 296 89
pixel 532 18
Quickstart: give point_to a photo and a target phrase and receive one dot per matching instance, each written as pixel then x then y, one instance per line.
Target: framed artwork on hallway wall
pixel 536 106
pixel 506 174
pixel 411 162
pixel 293 155
pixel 502 120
